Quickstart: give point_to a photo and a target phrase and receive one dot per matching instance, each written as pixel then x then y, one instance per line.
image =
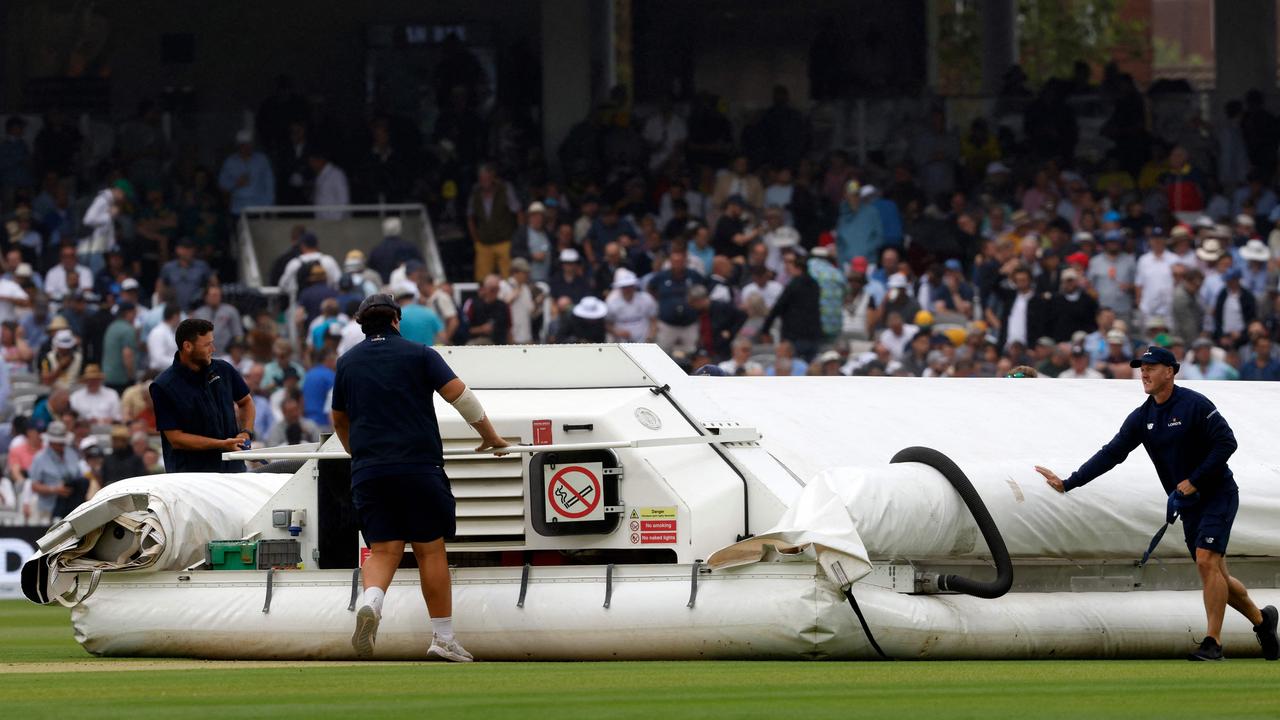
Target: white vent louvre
pixel 490 494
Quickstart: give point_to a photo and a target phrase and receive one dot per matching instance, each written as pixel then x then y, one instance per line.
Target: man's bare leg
pixel 378 570
pixel 433 571
pixel 1214 579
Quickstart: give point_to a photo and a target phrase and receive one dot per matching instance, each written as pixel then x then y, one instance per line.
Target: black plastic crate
pixel 279 554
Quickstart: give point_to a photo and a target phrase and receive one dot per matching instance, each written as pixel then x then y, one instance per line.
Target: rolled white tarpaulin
pixel 768 611
pixel 909 511
pixel 181 514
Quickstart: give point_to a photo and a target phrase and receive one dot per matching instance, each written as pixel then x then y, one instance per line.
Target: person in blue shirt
pixel 1263 366
pixel 203 407
pixel 1189 443
pixel 247 177
pixel 384 415
pixel 316 385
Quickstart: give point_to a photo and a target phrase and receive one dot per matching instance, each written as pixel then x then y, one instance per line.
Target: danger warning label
pixel 574 493
pixel 656 525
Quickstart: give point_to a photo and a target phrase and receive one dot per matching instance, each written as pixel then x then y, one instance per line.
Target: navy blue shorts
pixel 1208 524
pixel 418 507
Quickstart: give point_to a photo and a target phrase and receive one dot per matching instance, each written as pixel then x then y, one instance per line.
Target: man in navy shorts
pixel 384 414
pixel 1189 442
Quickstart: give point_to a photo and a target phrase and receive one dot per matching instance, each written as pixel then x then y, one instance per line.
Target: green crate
pixel 233 555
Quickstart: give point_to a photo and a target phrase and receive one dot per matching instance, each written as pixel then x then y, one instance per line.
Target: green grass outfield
pixel 45 674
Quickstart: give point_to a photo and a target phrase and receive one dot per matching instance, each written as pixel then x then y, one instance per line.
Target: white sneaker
pixel 451 651
pixel 366 631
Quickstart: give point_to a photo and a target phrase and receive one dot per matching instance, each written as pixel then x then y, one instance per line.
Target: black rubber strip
pixel 866 629
pixel 608 585
pixel 355 589
pixel 524 585
pixel 693 584
pixel 990 533
pixel 266 606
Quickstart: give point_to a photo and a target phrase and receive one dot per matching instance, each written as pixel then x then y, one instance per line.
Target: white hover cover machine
pixel 651 515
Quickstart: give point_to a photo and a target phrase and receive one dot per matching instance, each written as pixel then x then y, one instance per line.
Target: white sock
pixel 373 597
pixel 443 628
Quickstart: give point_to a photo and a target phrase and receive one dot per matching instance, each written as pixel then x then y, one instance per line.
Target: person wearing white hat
pixel 859 231
pixel 55 475
pixel 1255 255
pixel 61 367
pixel 569 281
pixel 246 176
pixel 632 314
pixel 586 323
pixel 1211 255
pixel 533 243
pixel 364 280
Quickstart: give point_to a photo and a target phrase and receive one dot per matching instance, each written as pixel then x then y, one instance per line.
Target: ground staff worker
pixel 1189 442
pixel 203 407
pixel 384 415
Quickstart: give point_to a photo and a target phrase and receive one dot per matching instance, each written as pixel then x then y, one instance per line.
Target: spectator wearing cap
pixel 633 315
pixel 418 322
pixel 226 321
pixel 1080 368
pixel 91 464
pixel 393 251
pixel 1111 274
pixel 1153 278
pixel 533 243
pixel 897 298
pixel 493 214
pixel 100 405
pixel 1214 263
pixel 160 343
pixel 202 404
pixel 130 290
pixel 586 323
pixel 677 326
pixel 1181 246
pixel 1254 256
pixel 55 475
pixel 799 308
pixel 298 273
pixel 832 286
pixel 1204 365
pixel 859 232
pixel 523 300
pixel 365 282
pixel 246 176
pixel 330 189
pixel 61 366
pixel 1233 310
pixel 1071 310
pixel 55 281
pixel 186 275
pixel 121 463
pixel 569 281
pixel 955 294
pixel 121 356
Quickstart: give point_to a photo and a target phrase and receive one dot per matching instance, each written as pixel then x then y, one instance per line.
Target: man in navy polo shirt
pixel 384 414
pixel 203 407
pixel 1189 442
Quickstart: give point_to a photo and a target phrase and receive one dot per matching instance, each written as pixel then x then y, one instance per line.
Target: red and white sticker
pixel 655 526
pixel 541 432
pixel 575 493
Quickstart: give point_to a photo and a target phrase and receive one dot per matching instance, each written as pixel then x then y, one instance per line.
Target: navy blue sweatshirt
pixel 1186 437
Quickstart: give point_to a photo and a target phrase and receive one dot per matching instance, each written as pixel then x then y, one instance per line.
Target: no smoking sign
pixel 574 493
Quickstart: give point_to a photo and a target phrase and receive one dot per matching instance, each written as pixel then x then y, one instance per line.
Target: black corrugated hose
pixel 990 533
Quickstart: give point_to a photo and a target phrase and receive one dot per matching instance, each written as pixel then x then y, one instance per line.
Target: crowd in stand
pixel 978 252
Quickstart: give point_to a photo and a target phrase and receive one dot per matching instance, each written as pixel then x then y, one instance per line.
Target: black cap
pixel 1156 355
pixel 711 369
pixel 377 300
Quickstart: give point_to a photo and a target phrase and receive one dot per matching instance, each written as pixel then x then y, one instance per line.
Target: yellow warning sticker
pixel 657 513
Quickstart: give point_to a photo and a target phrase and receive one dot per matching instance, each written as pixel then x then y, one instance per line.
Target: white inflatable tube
pixel 772 611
